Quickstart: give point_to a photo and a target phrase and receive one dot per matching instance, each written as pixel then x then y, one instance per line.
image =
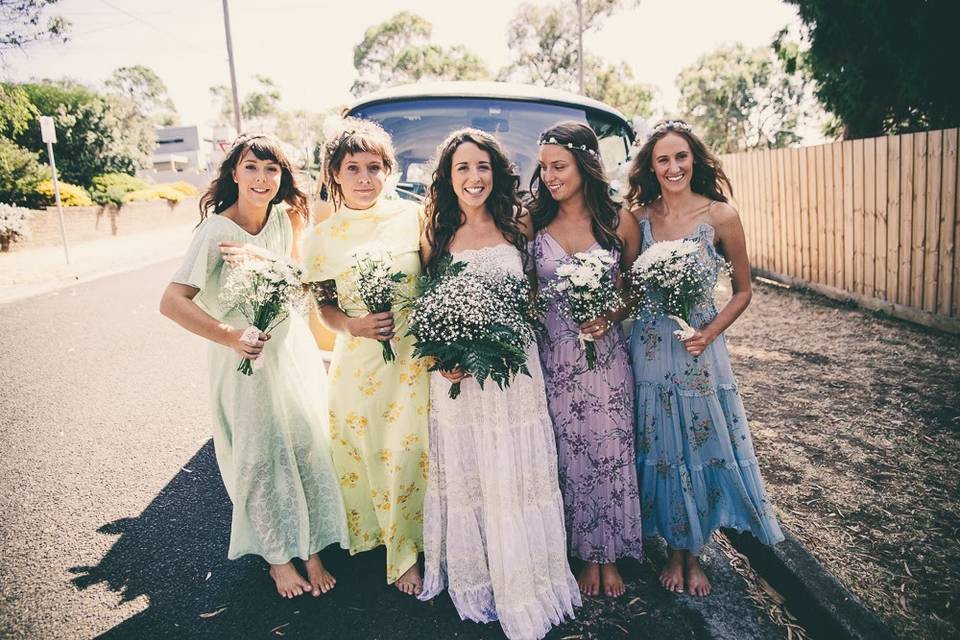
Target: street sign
pixel 49 135
pixel 47 130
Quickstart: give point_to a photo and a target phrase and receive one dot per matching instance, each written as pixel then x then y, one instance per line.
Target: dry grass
pixel 856 419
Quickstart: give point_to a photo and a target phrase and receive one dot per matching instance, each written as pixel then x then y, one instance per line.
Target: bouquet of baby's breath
pixel 672 278
pixel 477 319
pixel 377 285
pixel 586 289
pixel 264 292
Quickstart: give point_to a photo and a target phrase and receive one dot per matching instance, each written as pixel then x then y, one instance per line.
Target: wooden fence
pixel 873 220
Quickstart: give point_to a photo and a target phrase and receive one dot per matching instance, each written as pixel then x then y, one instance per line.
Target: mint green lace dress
pixel 270 429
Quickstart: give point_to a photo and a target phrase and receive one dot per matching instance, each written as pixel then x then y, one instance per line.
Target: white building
pixel 178 149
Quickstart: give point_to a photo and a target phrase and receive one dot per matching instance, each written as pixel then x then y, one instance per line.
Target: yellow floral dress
pixel 378 410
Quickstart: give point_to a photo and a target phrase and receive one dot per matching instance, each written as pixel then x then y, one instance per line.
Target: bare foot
pixel 321 580
pixel 588 579
pixel 290 583
pixel 672 575
pixel 410 582
pixel 610 579
pixel 697 582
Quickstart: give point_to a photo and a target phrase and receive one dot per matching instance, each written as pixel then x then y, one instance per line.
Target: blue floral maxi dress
pixel 695 458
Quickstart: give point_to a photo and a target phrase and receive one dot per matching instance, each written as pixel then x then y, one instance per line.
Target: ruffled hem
pixel 697 467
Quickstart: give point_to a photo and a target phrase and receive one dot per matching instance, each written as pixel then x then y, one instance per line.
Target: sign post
pixel 49 135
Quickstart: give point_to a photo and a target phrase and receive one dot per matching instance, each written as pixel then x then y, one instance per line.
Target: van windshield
pixel 418 126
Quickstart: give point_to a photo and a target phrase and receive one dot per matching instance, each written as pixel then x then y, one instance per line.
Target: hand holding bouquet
pixel 263 291
pixel 673 278
pixel 377 285
pixel 587 290
pixel 479 321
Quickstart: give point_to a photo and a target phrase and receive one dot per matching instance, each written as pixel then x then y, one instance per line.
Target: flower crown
pixel 672 125
pixel 568 145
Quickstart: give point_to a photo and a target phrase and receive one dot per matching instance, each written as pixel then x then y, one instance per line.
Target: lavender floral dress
pixel 592 413
pixel 695 457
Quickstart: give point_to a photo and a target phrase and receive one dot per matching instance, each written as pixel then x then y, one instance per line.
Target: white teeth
pixel 676 178
pixel 473 190
pixel 553 187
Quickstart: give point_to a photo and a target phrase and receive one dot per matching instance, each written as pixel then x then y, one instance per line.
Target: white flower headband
pixel 568 145
pixel 672 125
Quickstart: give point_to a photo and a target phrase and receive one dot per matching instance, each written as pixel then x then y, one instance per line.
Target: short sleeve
pixel 313 251
pixel 202 257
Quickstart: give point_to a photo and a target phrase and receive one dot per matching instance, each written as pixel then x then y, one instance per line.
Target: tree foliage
pixel 545 46
pixel 143 87
pixel 22 22
pixel 20 175
pixel 738 98
pixel 96 133
pixel 884 66
pixel 256 107
pixel 399 51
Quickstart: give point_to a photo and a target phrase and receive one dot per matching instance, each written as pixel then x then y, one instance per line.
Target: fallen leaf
pixel 211 614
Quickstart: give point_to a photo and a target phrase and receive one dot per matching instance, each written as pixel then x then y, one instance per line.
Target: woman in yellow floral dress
pixel 378 409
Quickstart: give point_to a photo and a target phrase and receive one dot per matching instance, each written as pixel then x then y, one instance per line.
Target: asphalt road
pixel 114 522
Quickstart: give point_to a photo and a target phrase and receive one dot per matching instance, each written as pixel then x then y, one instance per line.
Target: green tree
pixel 143 87
pixel 96 133
pixel 20 175
pixel 399 50
pixel 256 107
pixel 22 22
pixel 884 66
pixel 738 98
pixel 545 46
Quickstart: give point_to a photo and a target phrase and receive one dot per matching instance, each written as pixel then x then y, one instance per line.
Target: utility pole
pixel 233 73
pixel 579 39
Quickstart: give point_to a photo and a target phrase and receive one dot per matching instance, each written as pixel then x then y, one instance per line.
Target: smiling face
pixel 361 177
pixel 672 163
pixel 471 175
pixel 258 181
pixel 559 172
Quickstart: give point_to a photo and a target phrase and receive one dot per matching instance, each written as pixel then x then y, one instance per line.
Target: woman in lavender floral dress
pixel 592 409
pixel 695 457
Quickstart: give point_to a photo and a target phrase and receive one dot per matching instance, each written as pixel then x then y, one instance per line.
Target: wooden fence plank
pixel 849 198
pixel 869 216
pixel 880 211
pixel 837 222
pixel 907 144
pixel 820 241
pixel 931 258
pixel 804 237
pixel 948 218
pixel 858 170
pixel 796 187
pixel 918 244
pixel 893 218
pixel 956 245
pixel 778 205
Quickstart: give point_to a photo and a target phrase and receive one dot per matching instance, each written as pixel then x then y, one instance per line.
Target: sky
pixel 307 47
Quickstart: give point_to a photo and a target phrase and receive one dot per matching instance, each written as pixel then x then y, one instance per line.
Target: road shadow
pixel 175 554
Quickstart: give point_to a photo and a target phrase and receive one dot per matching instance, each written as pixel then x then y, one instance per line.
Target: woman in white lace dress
pixel 493 515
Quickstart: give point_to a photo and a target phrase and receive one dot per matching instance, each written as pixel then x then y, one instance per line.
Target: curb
pixel 821 604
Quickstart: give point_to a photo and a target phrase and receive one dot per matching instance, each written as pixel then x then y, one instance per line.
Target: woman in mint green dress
pixel 270 429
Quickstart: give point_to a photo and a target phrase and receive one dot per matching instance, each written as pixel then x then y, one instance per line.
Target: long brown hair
pixel 223 191
pixel 708 177
pixel 355 136
pixel 582 142
pixel 444 216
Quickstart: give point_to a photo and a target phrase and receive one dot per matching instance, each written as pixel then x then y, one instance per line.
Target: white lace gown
pixel 493 527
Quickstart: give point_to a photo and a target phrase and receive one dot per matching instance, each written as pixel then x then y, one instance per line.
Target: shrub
pixel 185 188
pixel 20 174
pixel 70 194
pixel 110 188
pixel 13 224
pixel 156 192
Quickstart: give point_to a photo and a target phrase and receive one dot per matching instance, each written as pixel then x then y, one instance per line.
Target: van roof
pixel 483 89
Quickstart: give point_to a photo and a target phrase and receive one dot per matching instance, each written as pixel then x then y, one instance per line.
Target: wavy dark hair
pixel 708 177
pixel 580 140
pixel 355 136
pixel 443 212
pixel 223 191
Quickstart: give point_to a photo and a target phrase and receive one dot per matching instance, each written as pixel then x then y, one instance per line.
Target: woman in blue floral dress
pixel 695 457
